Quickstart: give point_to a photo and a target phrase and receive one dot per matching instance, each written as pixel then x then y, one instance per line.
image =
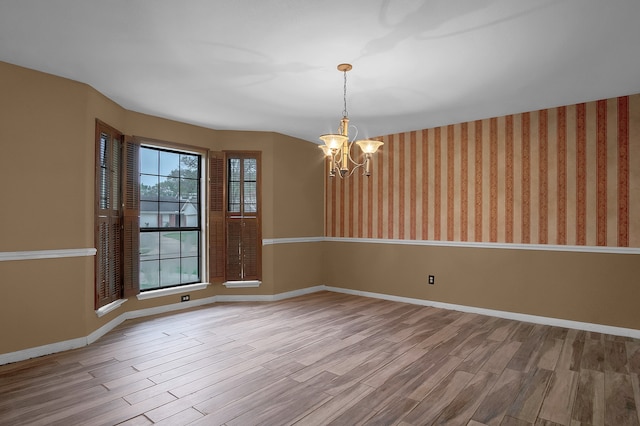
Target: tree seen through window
pixel 170 220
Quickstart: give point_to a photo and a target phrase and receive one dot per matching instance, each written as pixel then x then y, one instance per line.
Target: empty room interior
pixel 277 212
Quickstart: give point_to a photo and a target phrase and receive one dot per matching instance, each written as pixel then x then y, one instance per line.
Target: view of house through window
pixel 170 218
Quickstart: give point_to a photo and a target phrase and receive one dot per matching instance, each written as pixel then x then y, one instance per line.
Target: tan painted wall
pixel 563 176
pixel 43 301
pixel 298 206
pixel 41 210
pixel 587 287
pixel 42 187
pixel 47 132
pixel 300 191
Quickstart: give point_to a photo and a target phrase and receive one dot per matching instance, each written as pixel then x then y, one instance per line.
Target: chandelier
pixel 337 146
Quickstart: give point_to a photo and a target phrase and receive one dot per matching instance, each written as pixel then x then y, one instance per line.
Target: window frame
pixel 202 211
pixel 202 225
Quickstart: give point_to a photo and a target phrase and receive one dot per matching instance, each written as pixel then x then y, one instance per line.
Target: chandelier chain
pixel 344 112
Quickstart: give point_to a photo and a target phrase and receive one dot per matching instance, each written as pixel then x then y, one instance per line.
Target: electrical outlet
pixel 185 298
pixel 432 279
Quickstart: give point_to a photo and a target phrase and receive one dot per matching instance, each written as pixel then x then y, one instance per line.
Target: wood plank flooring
pixel 329 359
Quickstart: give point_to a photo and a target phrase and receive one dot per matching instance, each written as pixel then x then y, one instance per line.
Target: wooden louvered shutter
pixel 251 246
pixel 108 231
pixel 234 249
pixel 102 262
pixel 216 217
pixel 243 249
pixel 251 240
pixel 131 218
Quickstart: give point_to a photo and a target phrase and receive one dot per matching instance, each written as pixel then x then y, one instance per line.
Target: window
pixel 235 217
pixel 242 218
pixel 164 227
pixel 150 221
pixel 170 218
pixel 108 215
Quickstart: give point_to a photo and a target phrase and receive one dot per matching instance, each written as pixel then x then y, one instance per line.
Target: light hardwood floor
pixel 329 358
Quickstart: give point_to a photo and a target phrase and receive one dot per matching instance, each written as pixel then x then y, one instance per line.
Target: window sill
pixel 240 284
pixel 169 291
pixel 110 307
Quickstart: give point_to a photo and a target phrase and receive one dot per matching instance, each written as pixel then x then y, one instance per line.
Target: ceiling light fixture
pixel 337 146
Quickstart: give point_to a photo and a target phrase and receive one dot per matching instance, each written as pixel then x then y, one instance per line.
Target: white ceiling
pixel 271 64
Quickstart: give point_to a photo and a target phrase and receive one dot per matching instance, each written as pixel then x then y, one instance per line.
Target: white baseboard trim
pixel 95 335
pixel 268 297
pixel 43 350
pixel 170 308
pixel 556 322
pixel 151 294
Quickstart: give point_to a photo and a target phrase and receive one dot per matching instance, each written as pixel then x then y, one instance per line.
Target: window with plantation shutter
pixel 148 215
pixel 108 233
pixel 242 218
pixel 235 241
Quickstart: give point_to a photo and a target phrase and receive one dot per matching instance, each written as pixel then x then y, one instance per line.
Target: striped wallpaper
pixel 563 176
